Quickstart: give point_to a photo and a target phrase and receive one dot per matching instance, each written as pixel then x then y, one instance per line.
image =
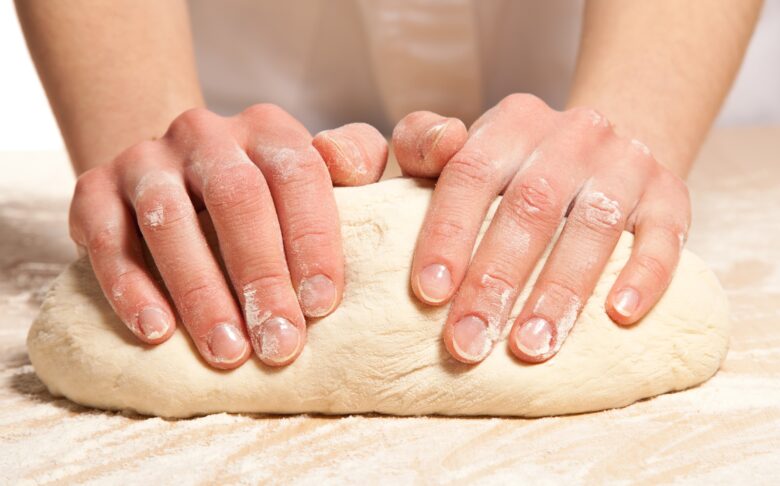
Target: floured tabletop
pixel 727 430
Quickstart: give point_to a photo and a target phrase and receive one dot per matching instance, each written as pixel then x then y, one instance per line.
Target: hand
pixel 269 195
pixel 548 164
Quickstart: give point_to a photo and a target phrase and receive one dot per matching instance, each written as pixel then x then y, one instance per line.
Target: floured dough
pixel 381 351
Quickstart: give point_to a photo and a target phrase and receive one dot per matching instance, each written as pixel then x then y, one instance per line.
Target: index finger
pixel 302 193
pixel 470 181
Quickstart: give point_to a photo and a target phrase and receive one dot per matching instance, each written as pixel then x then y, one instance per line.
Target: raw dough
pixel 381 350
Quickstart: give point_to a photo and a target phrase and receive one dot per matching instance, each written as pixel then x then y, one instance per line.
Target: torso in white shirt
pixel 330 62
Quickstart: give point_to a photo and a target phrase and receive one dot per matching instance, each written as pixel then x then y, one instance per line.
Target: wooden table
pixel 727 430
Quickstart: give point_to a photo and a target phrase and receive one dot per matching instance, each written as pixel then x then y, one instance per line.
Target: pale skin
pixel 121 80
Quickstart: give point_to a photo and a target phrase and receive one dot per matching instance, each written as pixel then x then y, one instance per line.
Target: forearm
pixel 115 72
pixel 660 70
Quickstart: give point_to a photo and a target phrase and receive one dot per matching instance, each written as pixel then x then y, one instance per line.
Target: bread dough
pixel 381 350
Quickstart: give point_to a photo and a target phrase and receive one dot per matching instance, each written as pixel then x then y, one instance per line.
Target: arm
pixel 660 70
pixel 115 72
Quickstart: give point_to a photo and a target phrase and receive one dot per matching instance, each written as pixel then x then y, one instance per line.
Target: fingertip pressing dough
pixel 381 350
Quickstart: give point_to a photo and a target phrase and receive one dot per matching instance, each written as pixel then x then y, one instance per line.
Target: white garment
pixel 330 62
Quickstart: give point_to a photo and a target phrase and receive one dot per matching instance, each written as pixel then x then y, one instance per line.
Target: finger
pixel 524 223
pixel 662 220
pixel 571 272
pixel 170 227
pixel 589 237
pixel 355 154
pixel 423 142
pixel 103 226
pixel 242 212
pixel 306 208
pixel 470 181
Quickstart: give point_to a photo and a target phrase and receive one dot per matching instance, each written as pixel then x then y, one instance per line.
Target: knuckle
pixel 197 293
pixel 194 122
pixel 587 121
pixel 672 231
pixel 234 187
pixel 522 101
pixel 103 240
pixel 599 214
pixel 159 208
pixel 641 150
pixel 262 110
pixel 131 156
pixel 470 168
pixel 306 234
pixel 561 290
pixel 667 185
pixel 671 180
pixel 496 278
pixel 534 199
pixel 153 182
pixel 491 285
pixel 90 182
pixel 294 166
pixel 268 280
pixel 654 268
pixel 134 155
pixel 92 188
pixel 445 229
pixel 125 280
pixel 306 161
pixel 417 119
pixel 640 163
pixel 265 290
pixel 407 130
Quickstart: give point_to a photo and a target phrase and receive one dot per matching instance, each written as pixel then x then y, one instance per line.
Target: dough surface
pixel 381 351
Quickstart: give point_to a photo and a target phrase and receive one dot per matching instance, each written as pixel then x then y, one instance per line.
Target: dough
pixel 381 351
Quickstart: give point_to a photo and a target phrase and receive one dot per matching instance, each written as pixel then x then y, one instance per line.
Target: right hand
pixel 267 186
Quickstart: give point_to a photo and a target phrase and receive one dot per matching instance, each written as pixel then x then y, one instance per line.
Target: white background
pixel 26 122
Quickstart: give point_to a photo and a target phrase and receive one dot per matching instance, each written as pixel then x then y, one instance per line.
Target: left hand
pixel 548 164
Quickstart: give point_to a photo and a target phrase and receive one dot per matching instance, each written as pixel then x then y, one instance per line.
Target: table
pixel 727 430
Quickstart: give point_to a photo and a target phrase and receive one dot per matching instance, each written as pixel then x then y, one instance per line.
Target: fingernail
pixel 337 144
pixel 534 338
pixel 276 340
pixel 626 302
pixel 435 283
pixel 226 344
pixel 431 138
pixel 153 322
pixel 350 152
pixel 317 295
pixel 470 338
